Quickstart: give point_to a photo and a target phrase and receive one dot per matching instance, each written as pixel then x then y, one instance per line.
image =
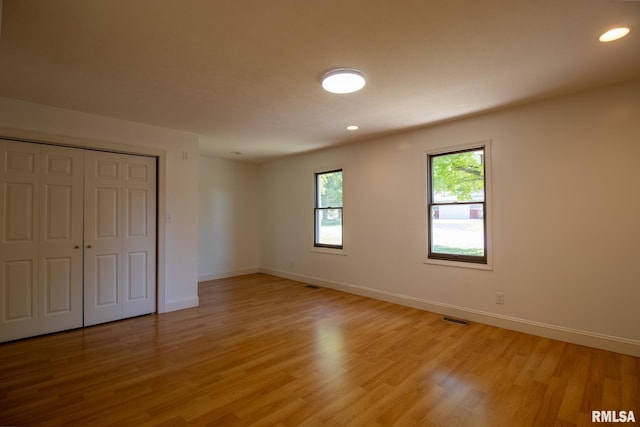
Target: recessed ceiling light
pixel 353 127
pixel 343 80
pixel 614 34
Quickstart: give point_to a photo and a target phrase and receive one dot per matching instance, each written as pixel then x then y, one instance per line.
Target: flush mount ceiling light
pixel 343 80
pixel 614 34
pixel 353 127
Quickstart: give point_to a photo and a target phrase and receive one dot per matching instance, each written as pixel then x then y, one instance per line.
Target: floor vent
pixel 313 286
pixel 456 321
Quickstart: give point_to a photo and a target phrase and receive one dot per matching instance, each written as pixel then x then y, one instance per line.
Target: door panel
pixel 103 210
pixel 106 213
pixel 20 159
pixel 19 204
pixel 139 243
pixel 58 162
pixel 58 211
pixel 137 215
pixel 101 297
pixel 137 277
pixel 106 169
pixel 60 258
pixel 58 285
pixel 18 290
pixel 119 237
pixel 106 280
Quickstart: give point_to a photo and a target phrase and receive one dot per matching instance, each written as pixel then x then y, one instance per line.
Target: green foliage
pixel 330 186
pixel 458 175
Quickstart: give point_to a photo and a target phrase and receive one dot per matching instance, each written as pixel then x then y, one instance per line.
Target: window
pixel 328 209
pixel 457 208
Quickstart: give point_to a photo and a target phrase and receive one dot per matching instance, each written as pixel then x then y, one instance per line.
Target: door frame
pixel 113 147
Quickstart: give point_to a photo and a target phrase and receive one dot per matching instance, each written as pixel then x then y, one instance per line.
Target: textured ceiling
pixel 244 74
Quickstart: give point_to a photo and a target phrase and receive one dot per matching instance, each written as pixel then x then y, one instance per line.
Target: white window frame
pixel 488 214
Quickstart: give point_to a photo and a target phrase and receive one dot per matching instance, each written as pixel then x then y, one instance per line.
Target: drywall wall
pixel 178 180
pixel 565 209
pixel 229 218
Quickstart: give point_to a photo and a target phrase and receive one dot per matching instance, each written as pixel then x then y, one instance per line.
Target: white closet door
pixel 41 250
pixel 120 229
pixel 19 204
pixel 139 240
pixel 61 234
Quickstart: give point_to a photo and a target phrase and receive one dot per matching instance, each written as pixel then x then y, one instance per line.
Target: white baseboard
pixel 216 276
pixel 575 336
pixel 181 303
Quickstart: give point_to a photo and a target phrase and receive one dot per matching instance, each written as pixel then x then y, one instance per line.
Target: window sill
pixel 472 265
pixel 330 251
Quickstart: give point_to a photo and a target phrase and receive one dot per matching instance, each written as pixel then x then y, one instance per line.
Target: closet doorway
pixel 78 238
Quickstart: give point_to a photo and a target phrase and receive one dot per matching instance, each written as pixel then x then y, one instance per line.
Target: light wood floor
pixel 267 351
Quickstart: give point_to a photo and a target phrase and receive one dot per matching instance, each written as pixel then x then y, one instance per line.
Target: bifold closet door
pixel 41 192
pixel 78 238
pixel 119 239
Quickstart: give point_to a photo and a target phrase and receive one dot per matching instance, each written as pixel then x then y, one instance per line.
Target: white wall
pixel 566 229
pixel 178 180
pixel 229 214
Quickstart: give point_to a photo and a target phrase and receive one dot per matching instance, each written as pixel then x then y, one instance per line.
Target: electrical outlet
pixel 500 298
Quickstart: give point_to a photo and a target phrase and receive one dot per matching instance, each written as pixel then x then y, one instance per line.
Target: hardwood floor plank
pixel 266 351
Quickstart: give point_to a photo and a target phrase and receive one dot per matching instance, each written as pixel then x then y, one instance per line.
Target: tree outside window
pixel 457 206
